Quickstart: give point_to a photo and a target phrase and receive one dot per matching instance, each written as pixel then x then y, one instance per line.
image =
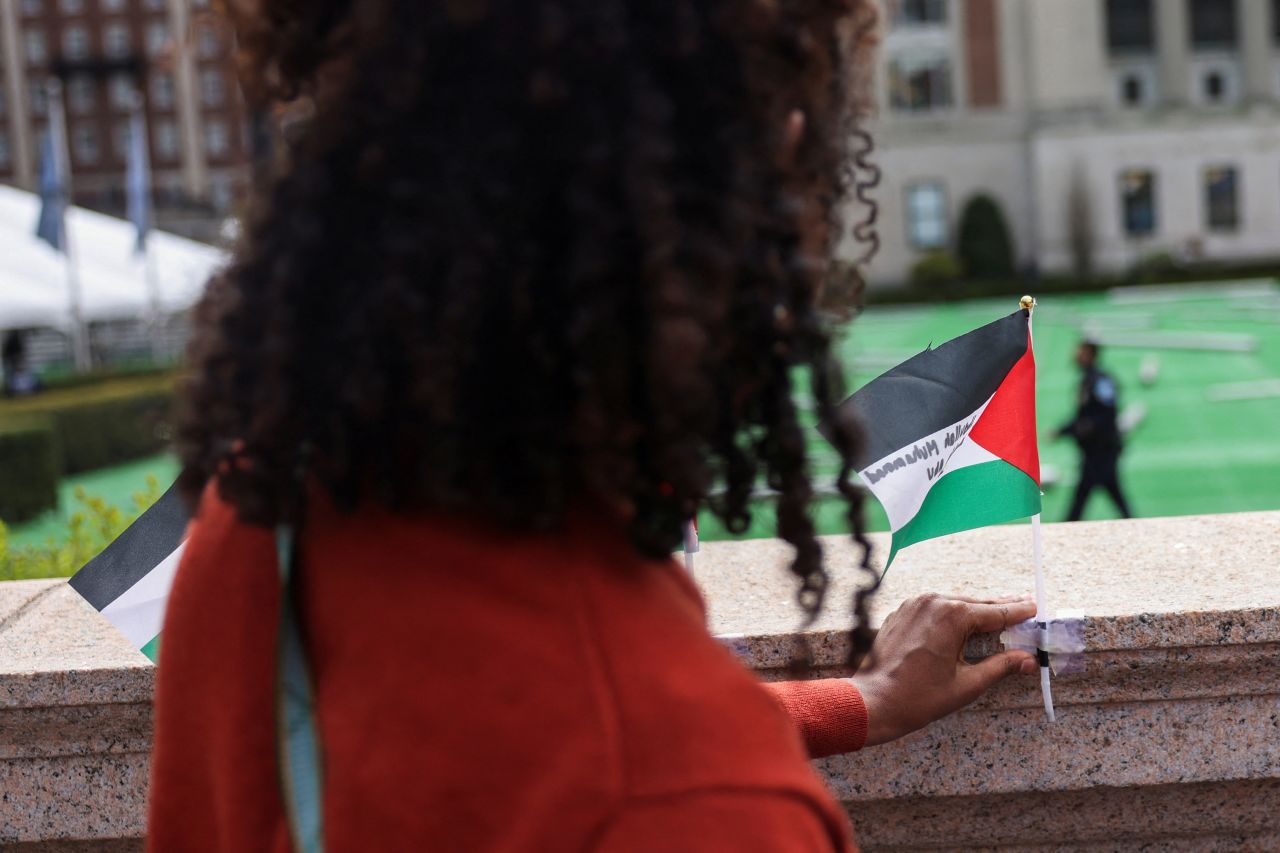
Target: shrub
pixel 29 460
pixel 90 529
pixel 102 425
pixel 985 248
pixel 936 274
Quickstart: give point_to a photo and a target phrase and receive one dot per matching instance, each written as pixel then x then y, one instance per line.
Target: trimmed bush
pixel 985 248
pixel 936 274
pixel 103 425
pixel 29 470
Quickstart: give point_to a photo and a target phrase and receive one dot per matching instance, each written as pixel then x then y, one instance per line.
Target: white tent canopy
pixel 113 276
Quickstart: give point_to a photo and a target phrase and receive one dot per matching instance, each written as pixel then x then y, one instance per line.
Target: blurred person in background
pixel 1096 431
pixel 533 282
pixel 16 375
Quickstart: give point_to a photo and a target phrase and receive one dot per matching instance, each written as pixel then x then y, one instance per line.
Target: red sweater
pixel 479 690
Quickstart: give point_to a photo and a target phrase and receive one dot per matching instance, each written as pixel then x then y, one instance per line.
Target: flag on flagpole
pixel 53 191
pixel 129 581
pixel 138 176
pixel 951 434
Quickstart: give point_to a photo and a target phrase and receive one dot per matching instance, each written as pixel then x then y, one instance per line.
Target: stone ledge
pixel 1169 741
pixel 1178 710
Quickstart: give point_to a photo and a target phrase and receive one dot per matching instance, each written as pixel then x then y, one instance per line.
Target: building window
pixel 117 41
pixel 1222 198
pixel 32 7
pixel 121 92
pixel 75 42
pixel 1131 91
pixel 927 215
pixel 208 45
pixel 84 144
pixel 154 5
pixel 120 133
pixel 37 49
pixel 217 139
pixel 157 38
pixel 920 81
pixel 81 97
pixel 1213 23
pixel 1138 198
pixel 71 7
pixel 1130 26
pixel 38 96
pixel 162 91
pixel 5 156
pixel 112 5
pixel 166 140
pixel 915 12
pixel 213 88
pixel 4 102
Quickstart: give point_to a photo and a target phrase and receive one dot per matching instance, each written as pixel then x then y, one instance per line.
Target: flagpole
pixel 62 151
pixel 1037 549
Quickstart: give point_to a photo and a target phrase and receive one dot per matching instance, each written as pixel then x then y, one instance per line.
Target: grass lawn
pixel 1190 455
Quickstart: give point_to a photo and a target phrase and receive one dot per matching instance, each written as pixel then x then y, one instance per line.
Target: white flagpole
pixel 62 151
pixel 1042 607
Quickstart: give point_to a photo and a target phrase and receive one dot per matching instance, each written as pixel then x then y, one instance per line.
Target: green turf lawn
pixel 1188 456
pixel 116 485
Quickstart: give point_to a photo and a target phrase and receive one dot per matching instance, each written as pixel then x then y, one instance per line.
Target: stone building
pixel 1108 131
pixel 175 53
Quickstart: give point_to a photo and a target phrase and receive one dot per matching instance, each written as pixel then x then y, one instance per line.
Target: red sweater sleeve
pixel 829 712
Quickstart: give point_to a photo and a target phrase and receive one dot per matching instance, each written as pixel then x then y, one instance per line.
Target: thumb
pixel 976 679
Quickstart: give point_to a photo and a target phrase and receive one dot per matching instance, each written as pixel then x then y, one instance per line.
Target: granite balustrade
pixel 1169 740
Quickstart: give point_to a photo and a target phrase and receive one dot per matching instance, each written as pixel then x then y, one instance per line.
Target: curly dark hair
pixel 527 255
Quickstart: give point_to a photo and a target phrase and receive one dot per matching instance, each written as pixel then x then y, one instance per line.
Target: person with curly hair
pixel 534 285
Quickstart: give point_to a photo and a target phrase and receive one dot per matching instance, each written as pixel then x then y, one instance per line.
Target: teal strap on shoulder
pixel 297 736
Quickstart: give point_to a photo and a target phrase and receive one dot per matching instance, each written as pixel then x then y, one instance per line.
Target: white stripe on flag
pixel 139 612
pixel 902 491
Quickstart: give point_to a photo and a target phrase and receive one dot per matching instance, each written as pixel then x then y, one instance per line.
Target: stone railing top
pixel 1141 584
pixel 55 649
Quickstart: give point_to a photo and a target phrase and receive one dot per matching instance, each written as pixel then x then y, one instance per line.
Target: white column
pixel 21 144
pixel 1173 44
pixel 1256 30
pixel 195 169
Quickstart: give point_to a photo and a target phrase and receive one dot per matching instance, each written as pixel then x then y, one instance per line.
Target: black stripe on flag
pixel 154 536
pixel 936 388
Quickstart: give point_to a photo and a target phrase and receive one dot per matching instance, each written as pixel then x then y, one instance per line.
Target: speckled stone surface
pixel 1170 740
pixel 75 725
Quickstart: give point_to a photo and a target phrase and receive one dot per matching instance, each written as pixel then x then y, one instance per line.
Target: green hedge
pixel 29 460
pixel 102 425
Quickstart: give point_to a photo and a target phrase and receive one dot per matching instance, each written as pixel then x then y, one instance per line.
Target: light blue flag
pixel 53 194
pixel 138 177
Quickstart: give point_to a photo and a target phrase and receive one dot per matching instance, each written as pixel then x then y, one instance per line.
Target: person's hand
pixel 916 672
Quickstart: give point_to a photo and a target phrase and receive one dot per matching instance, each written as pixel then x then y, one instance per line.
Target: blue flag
pixel 53 194
pixel 138 177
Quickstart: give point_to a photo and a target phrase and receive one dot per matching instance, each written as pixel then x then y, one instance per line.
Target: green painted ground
pixel 1189 455
pixel 115 485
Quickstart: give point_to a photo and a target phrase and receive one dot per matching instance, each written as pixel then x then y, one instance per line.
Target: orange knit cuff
pixel 829 712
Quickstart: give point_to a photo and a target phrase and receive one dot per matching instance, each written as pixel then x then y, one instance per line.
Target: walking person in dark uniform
pixel 1096 432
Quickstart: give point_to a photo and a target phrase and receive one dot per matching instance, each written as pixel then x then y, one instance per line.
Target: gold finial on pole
pixel 1027 303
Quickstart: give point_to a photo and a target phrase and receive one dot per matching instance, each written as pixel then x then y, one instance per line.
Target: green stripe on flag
pixel 152 649
pixel 970 497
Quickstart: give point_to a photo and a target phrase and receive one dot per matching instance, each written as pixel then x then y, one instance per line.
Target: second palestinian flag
pixel 129 581
pixel 951 434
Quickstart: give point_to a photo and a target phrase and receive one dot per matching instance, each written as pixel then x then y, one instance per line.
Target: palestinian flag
pixel 129 581
pixel 950 434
